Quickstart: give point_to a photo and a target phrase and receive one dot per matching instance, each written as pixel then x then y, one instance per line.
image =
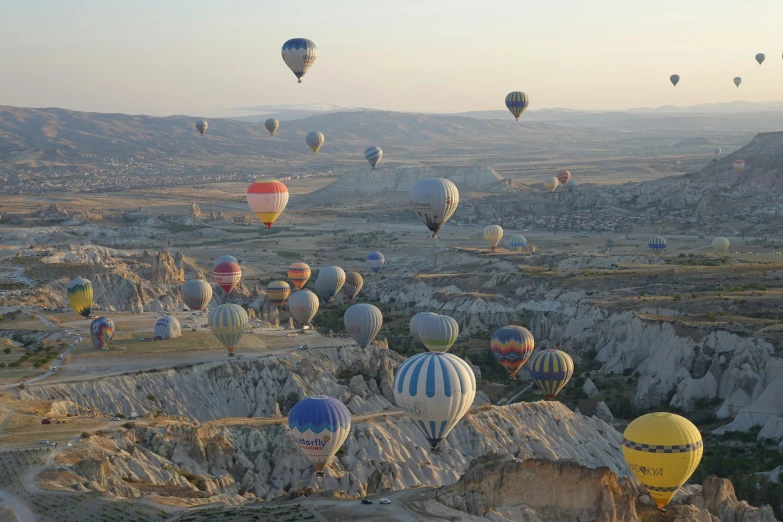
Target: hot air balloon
pixel 319 426
pixel 329 281
pixel 492 235
pixel 363 322
pixel 201 126
pixel 415 321
pixel 315 141
pixel 662 450
pixel 737 81
pixel 353 284
pixel 760 58
pixel 657 244
pixel 277 292
pixel 227 275
pixel 228 323
pixel 571 185
pixel 196 294
pixel 267 198
pixel 717 152
pixel 739 166
pixel 373 154
pixel 434 200
pixel 720 245
pixel 376 261
pixel 517 242
pixel 517 102
pixel 299 55
pixel 80 296
pixel 512 346
pixel 271 125
pixel 551 370
pixel 563 176
pixel 299 273
pixel 167 327
pixel 435 390
pixel 102 332
pixel 437 332
pixel 550 184
pixel 303 305
pixel 226 259
pixel 675 79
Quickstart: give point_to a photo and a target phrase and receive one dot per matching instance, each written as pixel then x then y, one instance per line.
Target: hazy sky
pixel 201 57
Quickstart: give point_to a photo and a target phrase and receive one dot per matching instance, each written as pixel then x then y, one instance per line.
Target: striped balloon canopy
pixel 517 242
pixel 376 261
pixel 657 244
pixel 319 426
pixel 267 199
pixel 353 285
pixel 271 125
pixel 739 166
pixel 299 273
pixel 277 292
pixel 363 322
pixel 373 154
pixel 102 332
pixel 512 345
pixel 517 102
pixel 79 293
pixel 299 55
pixel 196 294
pixel 492 235
pixel 201 126
pixel 228 323
pixel 329 281
pixel 438 332
pixel 225 258
pixel 563 177
pixel 303 306
pixel 434 200
pixel 551 370
pixel 550 184
pixel 435 390
pixel 227 275
pixel 415 321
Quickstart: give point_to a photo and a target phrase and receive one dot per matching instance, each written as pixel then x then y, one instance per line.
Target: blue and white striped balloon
pixel 435 390
pixel 657 244
pixel 376 261
pixel 517 242
pixel 299 55
pixel 373 155
pixel 319 425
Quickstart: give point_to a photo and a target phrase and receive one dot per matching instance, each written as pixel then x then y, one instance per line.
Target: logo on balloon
pixel 414 409
pixel 307 444
pixel 646 470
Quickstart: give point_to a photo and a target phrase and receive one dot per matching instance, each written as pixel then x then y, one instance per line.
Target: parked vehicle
pixel 385 501
pixel 46 421
pixel 366 501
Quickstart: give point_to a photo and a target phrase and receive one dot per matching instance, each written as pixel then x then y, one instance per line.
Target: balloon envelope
pixel 363 322
pixel 226 259
pixel 271 125
pixel 299 55
pixel 353 284
pixel 739 166
pixel 720 245
pixel 277 292
pixel 517 242
pixel 438 333
pixel 80 296
pixel 737 81
pixel 299 273
pixel 551 184
pixel 227 275
pixel 315 141
pixel 201 126
pixel 196 294
pixel 228 323
pixel 329 281
pixel 267 199
pixel 512 346
pixel 376 261
pixel 373 154
pixel 717 151
pixel 303 306
pixel 662 450
pixel 167 327
pixel 435 390
pixel 657 244
pixel 434 200
pixel 760 58
pixel 102 332
pixel 492 235
pixel 563 176
pixel 517 102
pixel 413 325
pixel 319 426
pixel 571 185
pixel 675 79
pixel 551 370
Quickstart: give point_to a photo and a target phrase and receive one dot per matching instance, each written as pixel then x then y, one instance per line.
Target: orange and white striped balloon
pixel 267 198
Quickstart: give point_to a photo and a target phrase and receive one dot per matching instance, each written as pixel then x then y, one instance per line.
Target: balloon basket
pixel 319 473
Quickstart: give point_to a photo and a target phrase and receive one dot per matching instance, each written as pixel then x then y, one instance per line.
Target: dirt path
pixel 21 510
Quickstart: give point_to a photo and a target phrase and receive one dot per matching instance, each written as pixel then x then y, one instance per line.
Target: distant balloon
pixel 434 200
pixel 303 305
pixel 319 425
pixel 551 370
pixel 267 199
pixel 675 79
pixel 739 166
pixel 438 332
pixel 329 281
pixel 201 126
pixel 657 244
pixel 435 390
pixel 271 125
pixel 373 155
pixel 299 55
pixel 228 323
pixel 517 242
pixel 550 184
pixel 563 176
pixel 363 322
pixel 720 245
pixel 353 285
pixel 277 292
pixel 517 102
pixel 512 346
pixel 299 273
pixel 760 58
pixel 315 141
pixel 227 275
pixel 167 327
pixel 376 261
pixel 102 332
pixel 737 81
pixel 226 259
pixel 717 152
pixel 492 235
pixel 662 441
pixel 80 296
pixel 571 185
pixel 414 324
pixel 196 294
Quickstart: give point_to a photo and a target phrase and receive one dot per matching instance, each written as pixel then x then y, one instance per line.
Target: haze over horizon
pixel 414 57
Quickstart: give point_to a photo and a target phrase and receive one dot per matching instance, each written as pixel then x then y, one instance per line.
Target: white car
pixel 116 418
pixel 44 441
pixel 385 501
pixel 239 355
